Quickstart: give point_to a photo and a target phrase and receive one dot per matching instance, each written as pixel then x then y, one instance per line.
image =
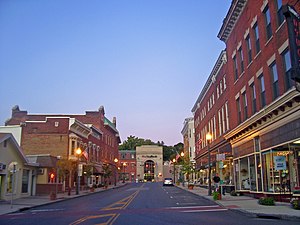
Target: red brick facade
pixel 61 135
pixel 262 100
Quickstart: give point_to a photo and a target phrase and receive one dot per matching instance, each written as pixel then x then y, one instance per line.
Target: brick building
pixel 211 115
pixel 127 165
pixel 262 99
pixel 61 135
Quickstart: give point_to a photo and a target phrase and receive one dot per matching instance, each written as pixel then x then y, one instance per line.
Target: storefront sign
pixel 280 162
pixel 220 157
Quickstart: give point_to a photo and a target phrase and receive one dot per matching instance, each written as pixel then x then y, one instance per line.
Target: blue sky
pixel 145 61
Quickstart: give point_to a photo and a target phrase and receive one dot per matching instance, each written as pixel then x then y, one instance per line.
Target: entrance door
pixel 149 167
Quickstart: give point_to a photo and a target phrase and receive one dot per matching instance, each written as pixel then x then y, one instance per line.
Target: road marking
pixel 46 210
pixel 204 210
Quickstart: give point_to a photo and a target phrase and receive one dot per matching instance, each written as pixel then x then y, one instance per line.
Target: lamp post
pixel 124 164
pixel 208 138
pixel 116 161
pixel 174 160
pixel 78 153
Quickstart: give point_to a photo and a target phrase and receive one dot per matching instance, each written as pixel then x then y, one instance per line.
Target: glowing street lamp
pixel 78 153
pixel 116 161
pixel 208 138
pixel 124 164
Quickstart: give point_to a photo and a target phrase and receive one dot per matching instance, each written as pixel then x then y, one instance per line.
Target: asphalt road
pixel 136 204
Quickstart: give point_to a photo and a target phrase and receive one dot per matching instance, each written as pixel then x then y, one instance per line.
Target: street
pixel 136 204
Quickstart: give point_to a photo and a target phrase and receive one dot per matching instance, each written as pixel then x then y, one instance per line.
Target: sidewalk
pixel 250 205
pixel 29 202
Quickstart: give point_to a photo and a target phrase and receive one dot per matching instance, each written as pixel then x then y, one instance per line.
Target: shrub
pixel 266 201
pixel 295 203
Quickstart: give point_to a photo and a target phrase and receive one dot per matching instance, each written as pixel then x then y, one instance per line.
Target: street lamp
pixel 124 164
pixel 174 160
pixel 116 161
pixel 208 138
pixel 78 153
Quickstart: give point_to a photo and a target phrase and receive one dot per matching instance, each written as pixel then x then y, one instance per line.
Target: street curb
pixel 62 199
pixel 247 213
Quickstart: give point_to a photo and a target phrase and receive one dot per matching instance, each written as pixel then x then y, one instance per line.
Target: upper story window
pixel 236 76
pixel 245 105
pixel 268 22
pixel 262 91
pixel 224 82
pixel 256 35
pixel 287 69
pixel 253 96
pixel 280 17
pixel 275 85
pixel 238 108
pixel 249 49
pixel 241 59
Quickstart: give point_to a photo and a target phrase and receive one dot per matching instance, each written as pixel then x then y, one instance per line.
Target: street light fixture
pixel 208 138
pixel 124 164
pixel 78 153
pixel 174 160
pixel 116 161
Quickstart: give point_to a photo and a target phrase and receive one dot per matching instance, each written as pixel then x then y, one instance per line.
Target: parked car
pixel 168 182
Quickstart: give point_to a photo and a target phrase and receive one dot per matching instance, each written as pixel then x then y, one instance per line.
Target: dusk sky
pixel 145 61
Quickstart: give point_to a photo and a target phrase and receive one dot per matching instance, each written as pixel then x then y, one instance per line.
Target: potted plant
pixel 191 186
pixel 295 202
pixel 216 195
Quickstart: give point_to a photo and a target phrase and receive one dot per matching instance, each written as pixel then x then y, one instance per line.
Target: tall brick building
pixel 263 124
pixel 62 135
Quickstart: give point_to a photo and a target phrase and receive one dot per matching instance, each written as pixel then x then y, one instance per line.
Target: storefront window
pixel 237 174
pixel 252 173
pixel 259 181
pixel 244 173
pixel 276 171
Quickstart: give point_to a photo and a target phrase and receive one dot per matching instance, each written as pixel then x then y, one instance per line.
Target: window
pixel 275 85
pixel 287 69
pixel 238 108
pixel 241 60
pixel 253 96
pixel 220 122
pixel 5 144
pixel 262 91
pixel 25 181
pixel 280 17
pixel 245 106
pixel 224 82
pixel 268 22
pixel 249 49
pixel 236 76
pixel 256 35
pixel 227 116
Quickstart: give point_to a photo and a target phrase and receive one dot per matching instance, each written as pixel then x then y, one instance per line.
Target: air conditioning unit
pixel 40 171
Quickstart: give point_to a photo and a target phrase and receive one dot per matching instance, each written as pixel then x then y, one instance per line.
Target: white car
pixel 168 182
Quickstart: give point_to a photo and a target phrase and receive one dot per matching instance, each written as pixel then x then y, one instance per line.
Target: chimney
pixel 115 121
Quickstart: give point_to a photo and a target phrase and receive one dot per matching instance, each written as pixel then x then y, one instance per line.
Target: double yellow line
pixel 112 217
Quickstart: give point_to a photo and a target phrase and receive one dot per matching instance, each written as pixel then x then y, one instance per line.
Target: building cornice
pixel 275 111
pixel 233 14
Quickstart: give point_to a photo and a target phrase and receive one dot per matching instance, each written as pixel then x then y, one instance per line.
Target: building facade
pixel 62 135
pixel 211 115
pixel 265 117
pixel 18 177
pixel 127 165
pixel 149 163
pixel 261 125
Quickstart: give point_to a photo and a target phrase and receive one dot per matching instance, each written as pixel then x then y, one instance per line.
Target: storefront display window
pixel 258 168
pixel 252 173
pixel 276 171
pixel 244 174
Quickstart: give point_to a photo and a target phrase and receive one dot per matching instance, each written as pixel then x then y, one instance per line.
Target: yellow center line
pixel 121 204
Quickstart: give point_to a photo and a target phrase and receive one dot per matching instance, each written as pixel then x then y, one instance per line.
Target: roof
pixel 9 136
pixel 43 160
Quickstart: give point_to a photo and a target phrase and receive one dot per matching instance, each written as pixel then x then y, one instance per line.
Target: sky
pixel 145 61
